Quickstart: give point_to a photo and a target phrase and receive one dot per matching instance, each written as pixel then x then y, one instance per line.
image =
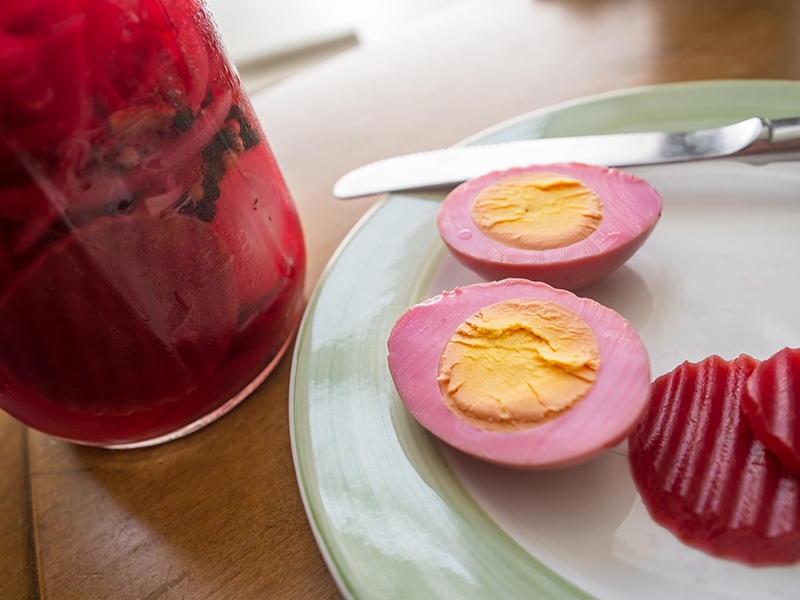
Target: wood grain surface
pixel 218 514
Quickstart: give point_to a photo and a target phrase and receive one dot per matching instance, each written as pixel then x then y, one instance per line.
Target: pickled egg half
pixel 565 224
pixel 519 373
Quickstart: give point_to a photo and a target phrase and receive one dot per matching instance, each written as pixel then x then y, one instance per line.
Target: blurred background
pixel 270 40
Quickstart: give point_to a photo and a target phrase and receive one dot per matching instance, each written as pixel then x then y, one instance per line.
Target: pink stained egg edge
pixel 632 208
pixel 596 423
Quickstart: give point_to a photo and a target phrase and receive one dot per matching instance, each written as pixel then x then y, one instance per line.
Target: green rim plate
pixel 391 515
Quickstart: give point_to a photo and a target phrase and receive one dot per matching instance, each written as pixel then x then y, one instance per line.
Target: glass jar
pixel 151 259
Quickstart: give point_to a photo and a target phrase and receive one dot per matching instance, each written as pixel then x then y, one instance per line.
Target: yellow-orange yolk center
pixel 537 211
pixel 518 363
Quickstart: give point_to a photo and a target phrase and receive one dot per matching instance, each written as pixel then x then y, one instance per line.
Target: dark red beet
pixel 771 403
pixel 120 316
pixel 703 475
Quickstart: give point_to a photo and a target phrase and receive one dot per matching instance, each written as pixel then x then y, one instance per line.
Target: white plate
pixel 397 514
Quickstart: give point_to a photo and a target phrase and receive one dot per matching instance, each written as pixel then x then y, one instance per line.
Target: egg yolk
pixel 537 211
pixel 518 363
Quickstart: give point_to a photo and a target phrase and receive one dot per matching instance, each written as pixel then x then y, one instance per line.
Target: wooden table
pixel 218 514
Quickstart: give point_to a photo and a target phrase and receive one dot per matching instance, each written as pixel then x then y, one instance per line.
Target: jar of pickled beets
pixel 151 259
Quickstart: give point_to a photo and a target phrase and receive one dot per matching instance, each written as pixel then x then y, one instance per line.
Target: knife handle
pixel 782 131
pixel 779 141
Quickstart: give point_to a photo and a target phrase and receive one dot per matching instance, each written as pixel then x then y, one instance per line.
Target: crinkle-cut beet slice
pixel 772 404
pixel 703 475
pixel 123 314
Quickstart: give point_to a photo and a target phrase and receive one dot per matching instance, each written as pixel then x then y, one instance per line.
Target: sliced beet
pixel 43 75
pixel 703 475
pixel 123 314
pixel 772 403
pixel 257 222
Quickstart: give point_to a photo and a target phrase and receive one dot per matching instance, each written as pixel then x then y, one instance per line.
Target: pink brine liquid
pixel 151 258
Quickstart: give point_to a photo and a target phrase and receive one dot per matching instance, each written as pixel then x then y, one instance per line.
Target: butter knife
pixel 755 140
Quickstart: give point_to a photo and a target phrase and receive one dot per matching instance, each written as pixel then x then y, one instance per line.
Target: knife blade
pixel 756 140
